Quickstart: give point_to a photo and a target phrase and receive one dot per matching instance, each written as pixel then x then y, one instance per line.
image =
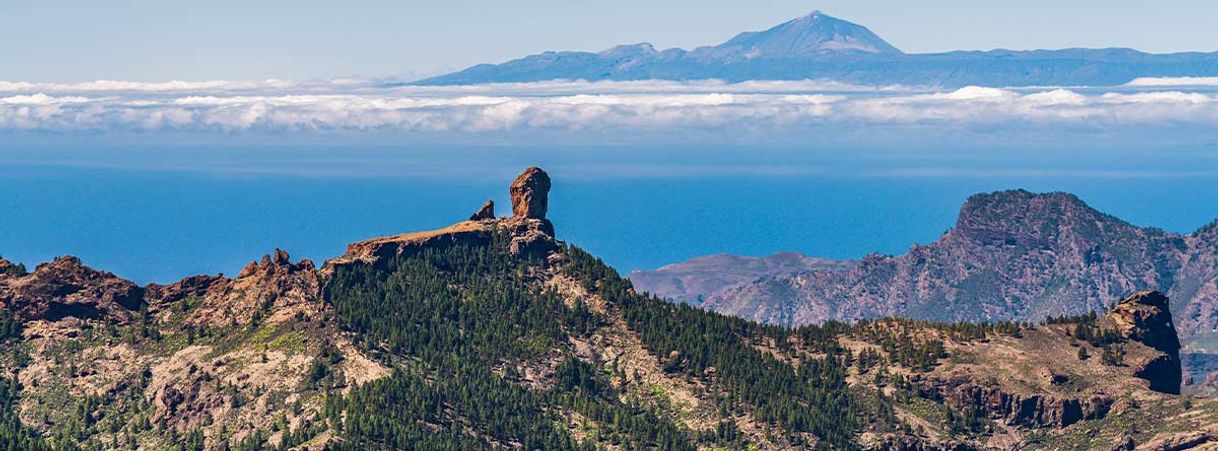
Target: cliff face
pixel 1146 318
pixel 1015 409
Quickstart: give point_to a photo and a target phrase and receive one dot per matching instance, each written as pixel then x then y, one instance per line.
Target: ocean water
pixel 158 213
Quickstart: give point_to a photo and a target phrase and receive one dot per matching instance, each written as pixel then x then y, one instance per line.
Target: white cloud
pixel 40 99
pixel 578 106
pixel 1173 81
pixel 1169 97
pixel 1056 97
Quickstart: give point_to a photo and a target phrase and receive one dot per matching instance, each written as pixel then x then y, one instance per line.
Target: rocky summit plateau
pixel 494 334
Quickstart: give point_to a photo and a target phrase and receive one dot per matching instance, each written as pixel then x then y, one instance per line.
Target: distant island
pixel 819 46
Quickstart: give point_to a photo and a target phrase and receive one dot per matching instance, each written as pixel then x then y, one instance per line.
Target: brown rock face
pixel 914 443
pixel 1177 441
pixel 9 269
pixel 530 194
pixel 273 286
pixel 193 286
pixel 1034 411
pixel 486 212
pixel 66 287
pixel 1145 317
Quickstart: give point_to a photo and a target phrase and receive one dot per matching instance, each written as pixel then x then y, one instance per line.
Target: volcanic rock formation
pixel 530 194
pixel 486 212
pixel 530 233
pixel 66 287
pixel 1145 317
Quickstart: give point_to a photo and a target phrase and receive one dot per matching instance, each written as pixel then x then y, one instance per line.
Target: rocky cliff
pixel 1145 318
pixel 529 231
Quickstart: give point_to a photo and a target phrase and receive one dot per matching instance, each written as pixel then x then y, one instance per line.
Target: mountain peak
pixel 627 50
pixel 1025 214
pixel 813 34
pixel 817 14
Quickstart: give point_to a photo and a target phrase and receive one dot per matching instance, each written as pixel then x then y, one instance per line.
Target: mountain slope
pixel 1012 255
pixel 493 334
pixel 690 281
pixel 818 46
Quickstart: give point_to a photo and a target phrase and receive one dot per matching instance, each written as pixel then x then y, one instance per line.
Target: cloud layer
pixel 362 105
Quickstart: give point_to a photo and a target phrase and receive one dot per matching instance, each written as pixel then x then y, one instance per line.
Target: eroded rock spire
pixel 530 194
pixel 486 212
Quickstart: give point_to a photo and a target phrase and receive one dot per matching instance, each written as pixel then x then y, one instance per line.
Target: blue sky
pixel 143 40
pixel 217 173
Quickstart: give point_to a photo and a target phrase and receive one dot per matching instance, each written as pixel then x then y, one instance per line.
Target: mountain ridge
pixel 819 46
pixel 1012 255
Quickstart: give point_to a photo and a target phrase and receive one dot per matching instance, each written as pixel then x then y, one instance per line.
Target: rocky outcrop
pixel 486 212
pixel 913 443
pixel 67 288
pixel 530 194
pixel 272 289
pixel 1145 317
pixel 530 237
pixel 10 269
pixel 1178 441
pixel 1038 410
pixel 530 233
pixel 190 287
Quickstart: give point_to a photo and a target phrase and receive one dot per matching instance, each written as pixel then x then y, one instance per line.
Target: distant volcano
pixel 815 34
pixel 820 46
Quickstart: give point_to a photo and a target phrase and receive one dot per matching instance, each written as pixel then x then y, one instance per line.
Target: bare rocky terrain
pixel 493 334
